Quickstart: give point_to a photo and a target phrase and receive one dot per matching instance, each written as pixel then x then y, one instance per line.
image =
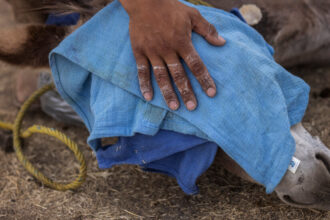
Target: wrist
pixel 137 6
pixel 132 6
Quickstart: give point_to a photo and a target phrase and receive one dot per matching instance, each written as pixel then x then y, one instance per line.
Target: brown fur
pixel 24 13
pixel 30 44
pixel 86 8
pixel 298 30
pixel 11 40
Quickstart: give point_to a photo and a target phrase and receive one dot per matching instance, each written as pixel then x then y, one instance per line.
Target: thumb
pixel 202 27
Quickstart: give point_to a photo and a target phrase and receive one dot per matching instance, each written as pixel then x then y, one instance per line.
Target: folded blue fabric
pixel 95 71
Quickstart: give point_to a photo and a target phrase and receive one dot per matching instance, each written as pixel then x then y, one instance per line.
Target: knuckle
pixel 168 94
pixel 145 88
pixel 186 93
pixel 179 79
pixel 195 12
pixel 205 80
pixel 145 84
pixel 166 53
pixel 164 49
pixel 161 75
pixel 196 66
pixel 137 50
pixel 142 70
pixel 182 42
pixel 150 51
pixel 212 30
pixel 178 74
pixel 143 79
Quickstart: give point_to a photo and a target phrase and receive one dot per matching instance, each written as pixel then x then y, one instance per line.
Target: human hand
pixel 160 33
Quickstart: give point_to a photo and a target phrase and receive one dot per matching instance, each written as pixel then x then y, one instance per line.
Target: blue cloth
pixel 63 20
pixel 250 117
pixel 180 165
pixel 184 157
pixel 237 13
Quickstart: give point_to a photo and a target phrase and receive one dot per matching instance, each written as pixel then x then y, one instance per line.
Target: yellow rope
pixel 17 135
pixel 199 2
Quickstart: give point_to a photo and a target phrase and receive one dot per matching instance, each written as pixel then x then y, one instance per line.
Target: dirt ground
pixel 125 192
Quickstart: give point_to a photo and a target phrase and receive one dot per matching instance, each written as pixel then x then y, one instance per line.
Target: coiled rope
pixel 17 135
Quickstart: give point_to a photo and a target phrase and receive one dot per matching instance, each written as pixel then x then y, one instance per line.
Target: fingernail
pixel 173 105
pixel 190 105
pixel 147 96
pixel 211 92
pixel 221 39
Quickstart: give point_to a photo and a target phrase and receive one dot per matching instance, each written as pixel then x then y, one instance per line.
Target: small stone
pixel 251 13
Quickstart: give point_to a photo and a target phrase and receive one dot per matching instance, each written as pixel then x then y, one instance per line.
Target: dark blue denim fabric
pixel 63 20
pixel 184 157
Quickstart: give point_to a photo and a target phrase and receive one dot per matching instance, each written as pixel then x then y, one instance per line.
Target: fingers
pixel 144 77
pixel 164 83
pixel 198 68
pixel 207 30
pixel 182 82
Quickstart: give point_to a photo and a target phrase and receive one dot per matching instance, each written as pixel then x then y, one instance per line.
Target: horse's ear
pixel 29 45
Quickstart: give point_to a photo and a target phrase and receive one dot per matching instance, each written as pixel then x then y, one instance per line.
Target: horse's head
pixel 309 187
pixel 298 30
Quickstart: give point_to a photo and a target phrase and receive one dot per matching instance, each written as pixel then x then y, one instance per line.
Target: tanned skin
pixel 161 43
